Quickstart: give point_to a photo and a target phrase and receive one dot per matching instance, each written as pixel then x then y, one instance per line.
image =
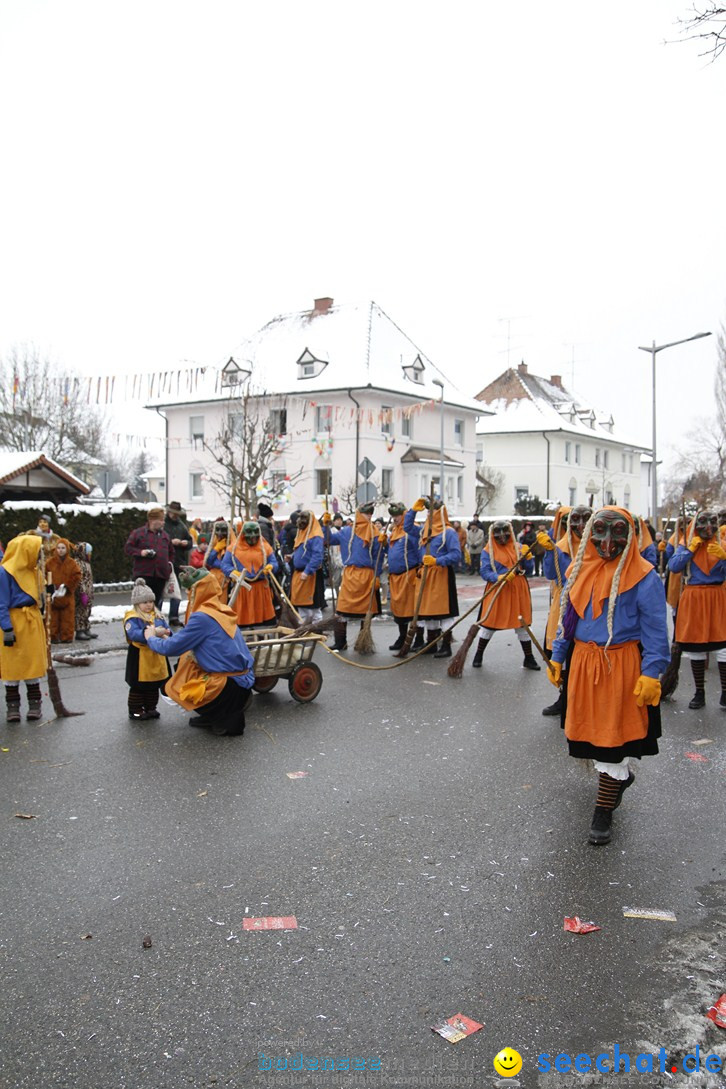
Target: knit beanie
pixel 141 592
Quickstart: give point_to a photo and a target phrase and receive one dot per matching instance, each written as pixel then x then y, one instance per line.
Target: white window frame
pixel 196 430
pixel 387 474
pixel 193 478
pixel 406 426
pixel 323 418
pixel 578 454
pixel 459 426
pixel 568 453
pixel 387 420
pixel 318 481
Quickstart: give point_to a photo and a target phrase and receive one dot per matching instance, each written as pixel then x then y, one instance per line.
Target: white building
pixel 547 442
pixel 336 385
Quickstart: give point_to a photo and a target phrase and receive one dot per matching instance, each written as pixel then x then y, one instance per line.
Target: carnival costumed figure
pixel 252 560
pixel 440 551
pixel 701 618
pixel 359 550
pixel 215 673
pixel 505 560
pixel 613 630
pixel 66 576
pixel 214 557
pixel 81 553
pixel 307 591
pixel 403 569
pixel 146 671
pixel 23 653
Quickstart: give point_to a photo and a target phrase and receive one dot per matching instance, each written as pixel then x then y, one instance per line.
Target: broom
pixel 669 680
pixel 61 711
pixel 289 616
pixel 364 643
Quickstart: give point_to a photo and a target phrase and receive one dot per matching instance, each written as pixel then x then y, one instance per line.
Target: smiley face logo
pixel 508 1062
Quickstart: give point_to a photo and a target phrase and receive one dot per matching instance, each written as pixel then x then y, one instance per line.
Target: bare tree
pixel 489 483
pixel 707 24
pixel 244 450
pixel 43 407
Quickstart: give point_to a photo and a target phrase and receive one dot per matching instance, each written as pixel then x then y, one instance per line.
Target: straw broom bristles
pixel 456 665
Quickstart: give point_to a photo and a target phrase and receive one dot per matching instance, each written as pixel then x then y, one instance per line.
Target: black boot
pixel 699 700
pixel 480 648
pixel 530 662
pixel 432 638
pixel 12 703
pixel 624 784
pixel 554 708
pixel 402 629
pixel 35 703
pixel 601 827
pixel 444 650
pixel 339 633
pixel 418 641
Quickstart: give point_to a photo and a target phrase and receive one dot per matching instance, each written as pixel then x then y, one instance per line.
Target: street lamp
pixel 438 382
pixel 654 349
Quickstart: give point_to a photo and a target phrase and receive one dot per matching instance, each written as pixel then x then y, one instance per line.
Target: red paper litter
pixel 575 924
pixel 270 922
pixel 456 1028
pixel 697 757
pixel 717 1013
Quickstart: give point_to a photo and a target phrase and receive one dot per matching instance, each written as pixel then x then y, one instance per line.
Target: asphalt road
pixel 429 855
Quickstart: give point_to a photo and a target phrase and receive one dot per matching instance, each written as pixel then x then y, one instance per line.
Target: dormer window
pixel 309 366
pixel 414 371
pixel 233 374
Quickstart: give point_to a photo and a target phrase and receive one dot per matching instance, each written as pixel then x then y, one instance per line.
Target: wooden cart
pixel 278 652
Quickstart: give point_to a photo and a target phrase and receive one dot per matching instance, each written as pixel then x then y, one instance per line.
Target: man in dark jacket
pixel 182 542
pixel 152 551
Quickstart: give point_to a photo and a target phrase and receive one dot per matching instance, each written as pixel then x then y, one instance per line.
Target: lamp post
pixel 438 382
pixel 654 349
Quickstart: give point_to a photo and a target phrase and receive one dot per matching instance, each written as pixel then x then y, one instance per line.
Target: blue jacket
pixel 135 627
pixel 491 572
pixel 548 565
pixel 650 554
pixel 445 548
pixel 697 577
pixel 640 616
pixel 11 597
pixel 356 554
pixel 308 556
pixel 214 650
pixel 403 553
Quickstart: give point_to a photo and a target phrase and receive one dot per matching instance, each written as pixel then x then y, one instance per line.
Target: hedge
pixel 106 531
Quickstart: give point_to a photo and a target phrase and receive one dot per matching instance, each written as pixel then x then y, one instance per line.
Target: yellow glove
pixel 326 518
pixel 554 673
pixel 429 561
pixel 715 549
pixel 382 538
pixel 647 691
pixel 419 505
pixel 662 546
pixel 508 577
pixel 525 552
pixel 545 541
pixel 267 569
pixel 695 544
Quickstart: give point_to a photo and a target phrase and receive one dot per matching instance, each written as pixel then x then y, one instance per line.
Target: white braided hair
pixel 576 567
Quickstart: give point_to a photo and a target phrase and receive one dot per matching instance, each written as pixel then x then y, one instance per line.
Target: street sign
pixel 366 468
pixel 366 492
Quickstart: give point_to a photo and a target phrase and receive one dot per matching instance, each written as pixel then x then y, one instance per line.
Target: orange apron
pixel 355 592
pixel 302 590
pixel 435 600
pixel 513 601
pixel 402 588
pixel 601 707
pixel 255 606
pixel 701 616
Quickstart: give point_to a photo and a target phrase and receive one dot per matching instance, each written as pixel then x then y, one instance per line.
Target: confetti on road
pixel 270 922
pixel 652 914
pixel 575 924
pixel 456 1028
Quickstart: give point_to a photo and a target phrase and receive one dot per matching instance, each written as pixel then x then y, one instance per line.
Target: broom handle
pixel 537 644
pixel 283 596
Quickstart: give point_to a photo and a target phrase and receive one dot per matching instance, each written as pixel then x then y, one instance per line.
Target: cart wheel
pixel 265 684
pixel 305 682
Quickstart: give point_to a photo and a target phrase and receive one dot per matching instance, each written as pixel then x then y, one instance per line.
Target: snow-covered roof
pixel 14 462
pixel 529 403
pixel 334 348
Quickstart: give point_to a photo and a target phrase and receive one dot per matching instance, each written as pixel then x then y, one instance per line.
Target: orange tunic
pixel 403 589
pixel 513 600
pixel 596 710
pixel 256 605
pixel 354 598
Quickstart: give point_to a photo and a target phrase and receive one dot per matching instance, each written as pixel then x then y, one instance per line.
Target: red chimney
pixel 522 368
pixel 322 306
pixel 556 380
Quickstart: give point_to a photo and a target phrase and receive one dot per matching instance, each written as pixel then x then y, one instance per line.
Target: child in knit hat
pixel 145 670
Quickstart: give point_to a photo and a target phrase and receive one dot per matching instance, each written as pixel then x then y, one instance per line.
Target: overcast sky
pixel 537 181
